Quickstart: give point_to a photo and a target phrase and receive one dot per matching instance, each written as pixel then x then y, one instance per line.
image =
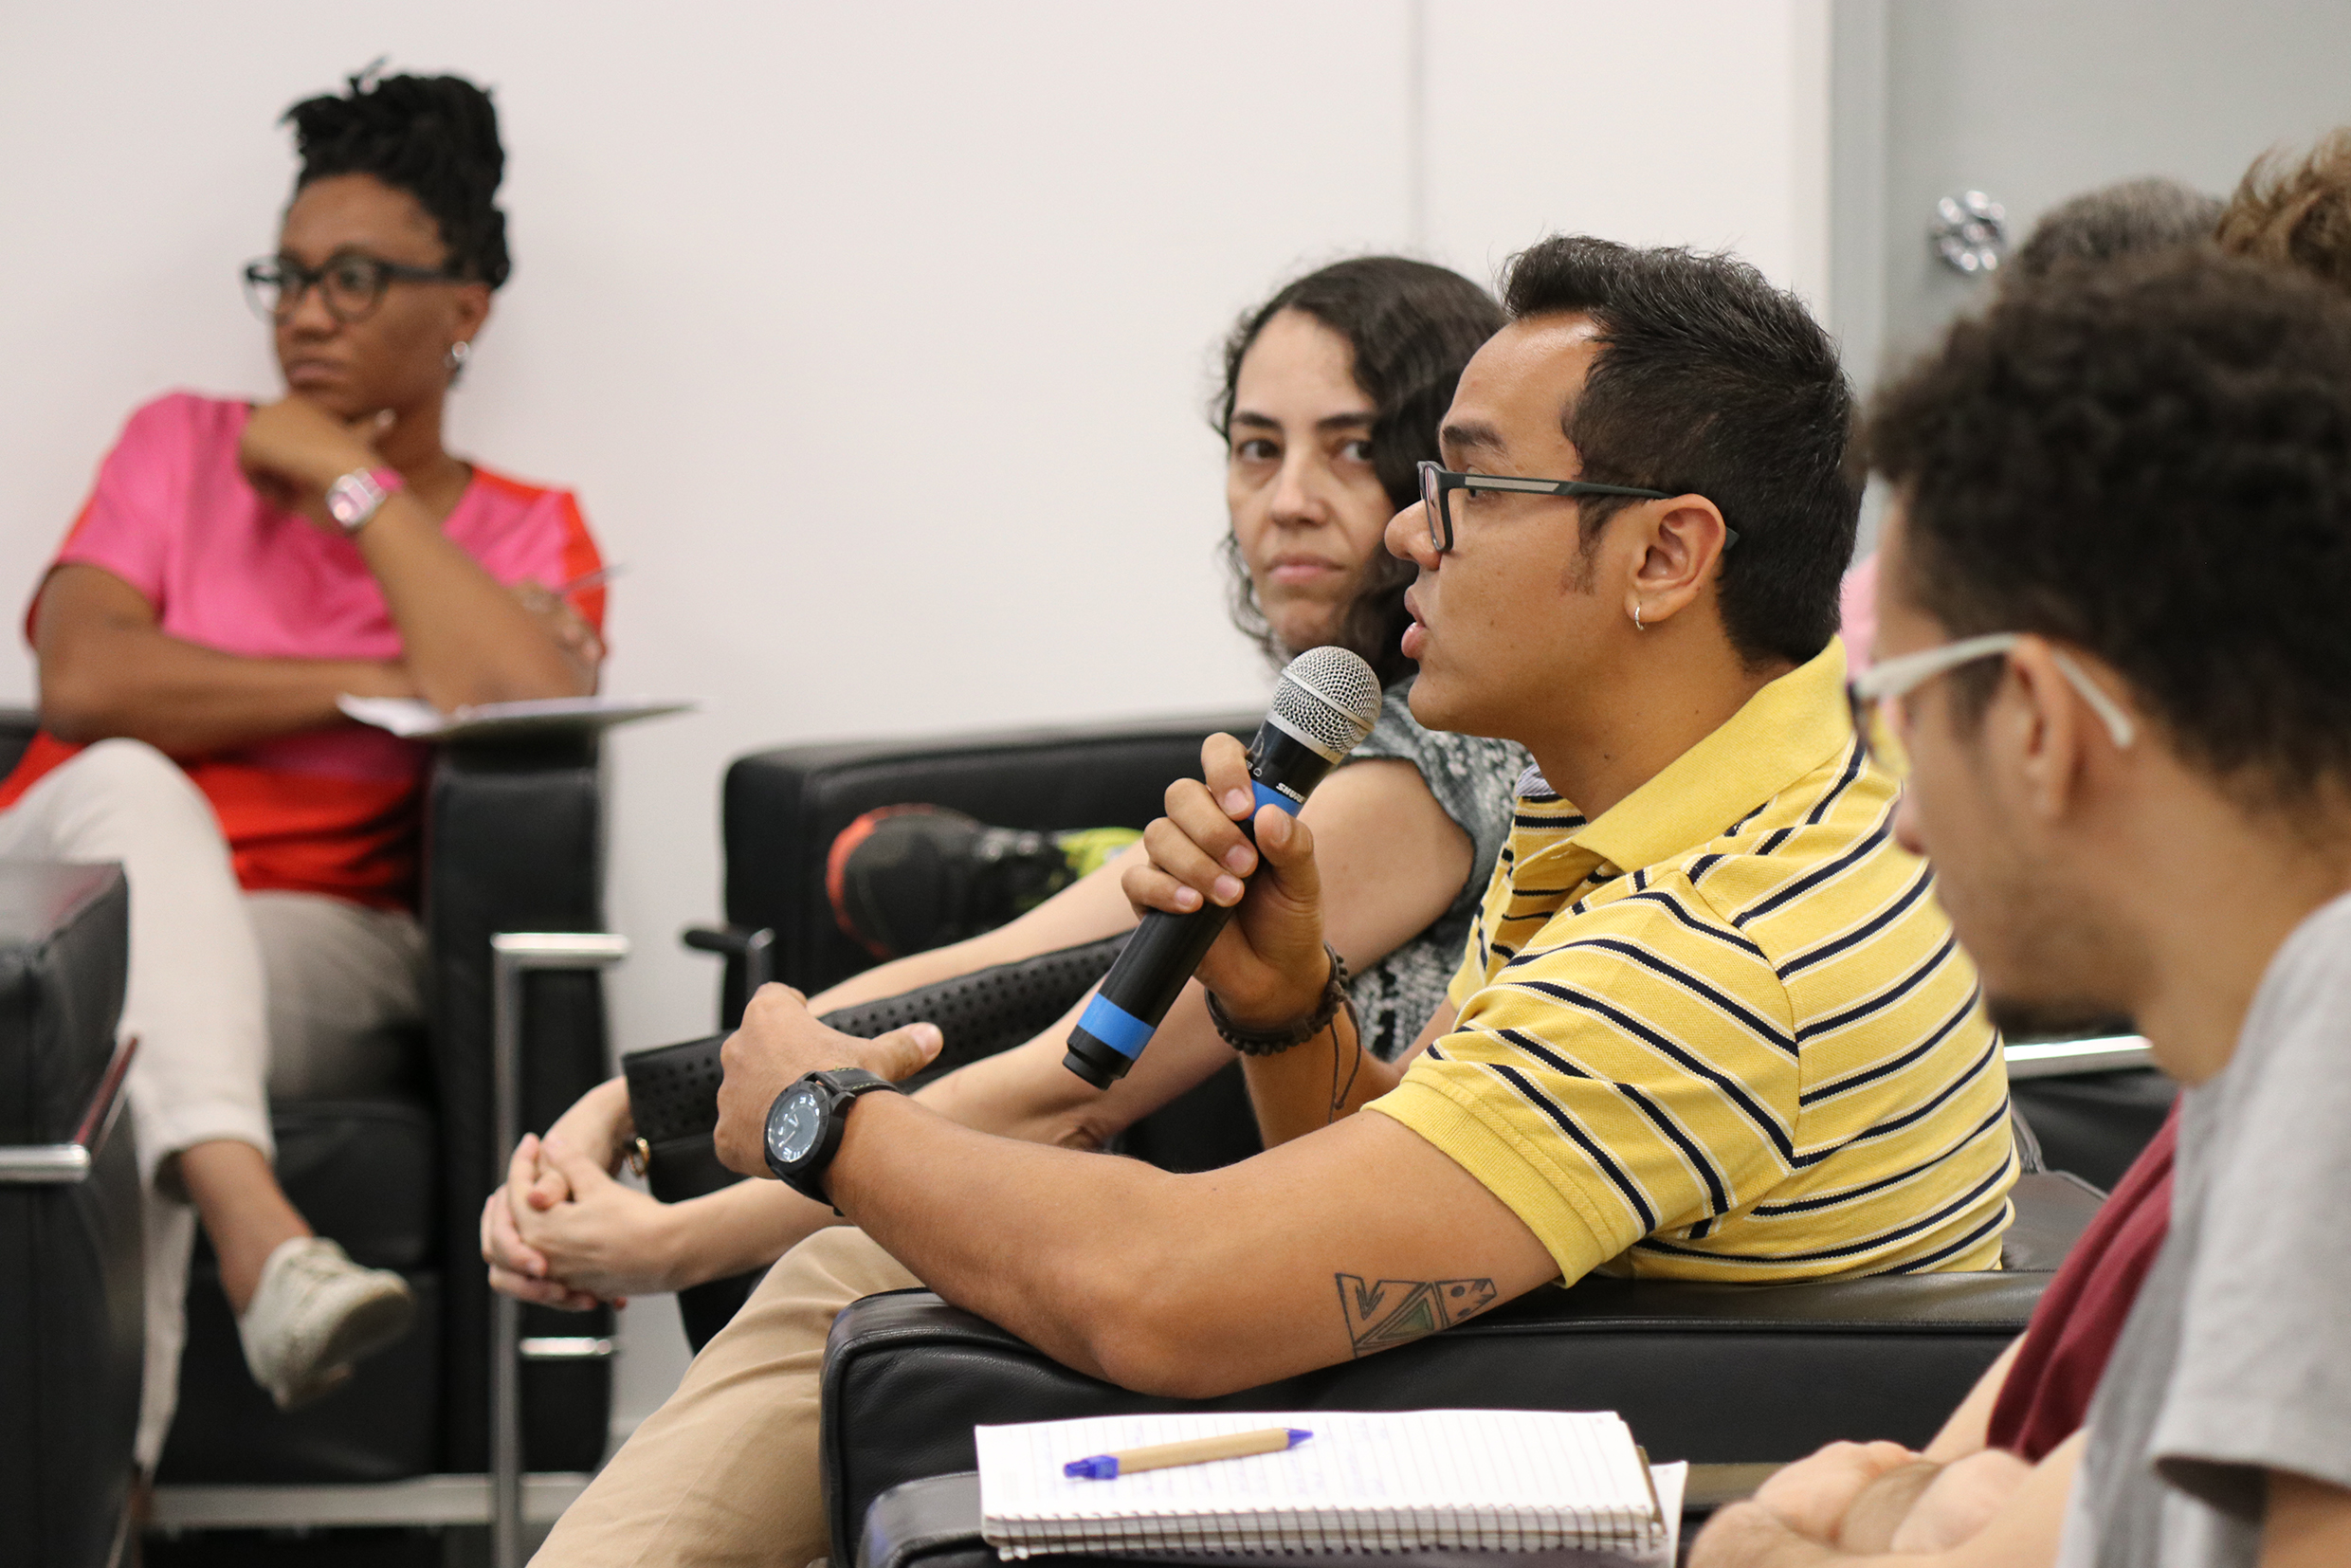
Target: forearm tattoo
pixel 1395 1312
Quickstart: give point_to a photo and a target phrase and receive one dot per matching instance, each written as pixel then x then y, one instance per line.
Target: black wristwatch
pixel 804 1125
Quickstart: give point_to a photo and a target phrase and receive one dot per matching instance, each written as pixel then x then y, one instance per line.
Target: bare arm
pixel 463 637
pixel 108 670
pixel 1180 1285
pixel 1963 1433
pixel 2310 1523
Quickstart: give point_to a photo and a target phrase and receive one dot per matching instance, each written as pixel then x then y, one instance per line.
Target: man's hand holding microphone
pixel 1267 968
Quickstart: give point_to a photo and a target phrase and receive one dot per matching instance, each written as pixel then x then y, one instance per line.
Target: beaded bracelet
pixel 1273 1041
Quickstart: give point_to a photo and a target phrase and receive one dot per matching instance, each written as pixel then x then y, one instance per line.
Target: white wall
pixel 874 338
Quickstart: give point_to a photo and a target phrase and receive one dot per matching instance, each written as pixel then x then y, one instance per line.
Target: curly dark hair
pixel 2151 460
pixel 1712 382
pixel 433 137
pixel 2299 213
pixel 1413 327
pixel 2113 222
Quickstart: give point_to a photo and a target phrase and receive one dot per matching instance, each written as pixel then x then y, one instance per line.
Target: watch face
pixel 792 1132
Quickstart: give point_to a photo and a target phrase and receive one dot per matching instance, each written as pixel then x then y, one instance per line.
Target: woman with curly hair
pixel 237 569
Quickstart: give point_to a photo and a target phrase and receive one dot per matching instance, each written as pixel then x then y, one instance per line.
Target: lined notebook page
pixel 1480 1480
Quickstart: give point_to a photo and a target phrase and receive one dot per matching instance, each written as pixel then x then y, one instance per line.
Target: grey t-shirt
pixel 1472 780
pixel 2236 1358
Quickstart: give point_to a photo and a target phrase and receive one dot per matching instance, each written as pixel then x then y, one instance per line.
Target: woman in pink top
pixel 236 570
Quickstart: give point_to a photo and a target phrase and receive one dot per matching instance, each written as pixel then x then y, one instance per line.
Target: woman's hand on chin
pixel 293 449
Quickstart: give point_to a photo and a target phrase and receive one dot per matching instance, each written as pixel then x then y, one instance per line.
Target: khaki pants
pixel 725 1472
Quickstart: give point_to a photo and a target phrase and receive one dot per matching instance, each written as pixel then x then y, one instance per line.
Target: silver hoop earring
pixel 455 359
pixel 1636 617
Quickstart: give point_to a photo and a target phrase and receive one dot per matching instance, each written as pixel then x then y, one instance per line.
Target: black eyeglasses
pixel 352 285
pixel 1437 485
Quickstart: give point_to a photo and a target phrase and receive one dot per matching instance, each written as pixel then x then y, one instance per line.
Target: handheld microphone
pixel 1325 704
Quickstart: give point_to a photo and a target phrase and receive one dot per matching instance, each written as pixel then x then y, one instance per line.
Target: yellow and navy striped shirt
pixel 1724 1031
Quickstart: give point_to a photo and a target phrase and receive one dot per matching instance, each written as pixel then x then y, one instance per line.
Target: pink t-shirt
pixel 329 810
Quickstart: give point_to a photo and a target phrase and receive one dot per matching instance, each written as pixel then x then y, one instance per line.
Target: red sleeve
pixel 129 525
pixel 547 543
pixel 2073 1329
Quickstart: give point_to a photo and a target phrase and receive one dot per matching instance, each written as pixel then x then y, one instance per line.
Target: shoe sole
pixel 376 1323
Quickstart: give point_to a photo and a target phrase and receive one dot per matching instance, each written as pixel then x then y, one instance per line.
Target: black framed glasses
pixel 353 286
pixel 1438 486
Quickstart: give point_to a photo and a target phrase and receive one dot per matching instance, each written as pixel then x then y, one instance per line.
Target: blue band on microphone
pixel 1268 795
pixel 1106 1021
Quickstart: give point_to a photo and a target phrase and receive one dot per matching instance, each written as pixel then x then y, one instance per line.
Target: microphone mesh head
pixel 1329 698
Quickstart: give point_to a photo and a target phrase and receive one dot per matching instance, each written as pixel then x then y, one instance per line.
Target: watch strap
pixel 845 1084
pixel 354 500
pixel 854 1081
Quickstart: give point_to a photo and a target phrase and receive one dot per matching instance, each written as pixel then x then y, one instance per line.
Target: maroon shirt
pixel 2072 1332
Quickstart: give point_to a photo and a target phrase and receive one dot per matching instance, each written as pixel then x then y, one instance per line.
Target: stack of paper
pixel 414 721
pixel 1478 1480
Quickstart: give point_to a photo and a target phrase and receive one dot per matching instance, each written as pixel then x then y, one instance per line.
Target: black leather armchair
pixel 1713 1374
pixel 513 843
pixel 70 1297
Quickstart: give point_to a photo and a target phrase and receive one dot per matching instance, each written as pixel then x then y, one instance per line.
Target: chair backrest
pixel 783 808
pixel 17 728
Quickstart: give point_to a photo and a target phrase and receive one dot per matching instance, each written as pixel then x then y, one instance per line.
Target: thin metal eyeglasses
pixel 1883 724
pixel 1437 485
pixel 353 286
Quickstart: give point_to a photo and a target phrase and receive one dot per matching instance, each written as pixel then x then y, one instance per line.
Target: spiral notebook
pixel 1473 1480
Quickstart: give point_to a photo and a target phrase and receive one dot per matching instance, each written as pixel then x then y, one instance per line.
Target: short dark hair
pixel 1412 326
pixel 2150 460
pixel 433 137
pixel 2299 213
pixel 1711 381
pixel 2115 221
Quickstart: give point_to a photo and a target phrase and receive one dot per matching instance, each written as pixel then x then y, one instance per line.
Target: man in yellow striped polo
pixel 1712 1024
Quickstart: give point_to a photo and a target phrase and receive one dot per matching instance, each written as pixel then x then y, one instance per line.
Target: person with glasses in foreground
pixel 1710 1023
pixel 236 570
pixel 2111 623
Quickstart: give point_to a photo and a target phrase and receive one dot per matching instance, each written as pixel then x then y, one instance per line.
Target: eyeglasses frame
pixel 1440 515
pixel 1894 679
pixel 310 278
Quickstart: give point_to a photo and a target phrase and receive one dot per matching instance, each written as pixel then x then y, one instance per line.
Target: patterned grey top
pixel 1472 780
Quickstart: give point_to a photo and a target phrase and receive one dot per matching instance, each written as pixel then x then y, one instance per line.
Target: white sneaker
pixel 314 1314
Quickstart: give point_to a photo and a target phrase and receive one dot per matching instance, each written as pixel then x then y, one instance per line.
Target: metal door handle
pixel 1969 233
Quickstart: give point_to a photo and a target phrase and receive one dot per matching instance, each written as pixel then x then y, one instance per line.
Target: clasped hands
pixel 1868 1498
pixel 564 1232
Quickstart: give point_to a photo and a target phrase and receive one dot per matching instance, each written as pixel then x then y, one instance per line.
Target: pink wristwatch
pixel 357 497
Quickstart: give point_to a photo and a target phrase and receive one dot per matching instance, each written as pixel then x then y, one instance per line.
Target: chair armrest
pixel 1709 1373
pixel 17 728
pixel 782 808
pixel 514 840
